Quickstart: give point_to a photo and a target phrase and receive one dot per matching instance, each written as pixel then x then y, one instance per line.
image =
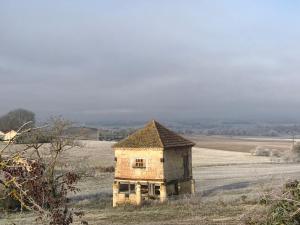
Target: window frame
pixel 139 163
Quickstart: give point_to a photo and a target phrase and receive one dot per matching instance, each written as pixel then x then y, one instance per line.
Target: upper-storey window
pixel 140 163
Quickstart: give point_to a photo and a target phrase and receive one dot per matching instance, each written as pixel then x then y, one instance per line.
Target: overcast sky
pixel 142 59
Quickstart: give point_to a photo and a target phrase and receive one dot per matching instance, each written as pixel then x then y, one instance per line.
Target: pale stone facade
pixel 9 135
pixel 155 172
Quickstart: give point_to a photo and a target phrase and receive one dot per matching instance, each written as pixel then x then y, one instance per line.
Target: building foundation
pixel 163 193
pixel 115 193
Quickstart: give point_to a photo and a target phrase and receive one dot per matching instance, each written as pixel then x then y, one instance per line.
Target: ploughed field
pixel 228 181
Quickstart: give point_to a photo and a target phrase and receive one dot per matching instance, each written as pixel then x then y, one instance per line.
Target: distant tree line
pixel 270 130
pixel 15 119
pixel 114 134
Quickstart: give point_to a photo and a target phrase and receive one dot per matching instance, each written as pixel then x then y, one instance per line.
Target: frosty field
pixel 223 179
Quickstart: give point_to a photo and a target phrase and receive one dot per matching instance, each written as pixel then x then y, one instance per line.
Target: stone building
pixel 9 135
pixel 152 163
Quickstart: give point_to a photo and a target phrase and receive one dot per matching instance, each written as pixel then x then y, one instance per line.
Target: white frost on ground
pixel 212 157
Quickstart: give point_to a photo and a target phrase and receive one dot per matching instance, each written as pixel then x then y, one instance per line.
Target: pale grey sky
pixel 120 60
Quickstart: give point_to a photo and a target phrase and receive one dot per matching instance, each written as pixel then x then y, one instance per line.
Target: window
pixel 124 187
pixel 132 188
pixel 139 163
pixel 127 188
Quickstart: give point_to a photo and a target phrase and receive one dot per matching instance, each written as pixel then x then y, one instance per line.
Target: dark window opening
pixel 124 187
pixel 132 188
pixel 144 189
pixel 127 189
pixel 150 190
pixel 157 189
pixel 139 163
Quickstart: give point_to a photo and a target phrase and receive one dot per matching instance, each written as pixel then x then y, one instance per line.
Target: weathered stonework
pixel 155 172
pixel 125 160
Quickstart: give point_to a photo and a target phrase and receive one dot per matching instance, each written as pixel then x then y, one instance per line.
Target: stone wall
pixel 173 165
pixel 185 187
pixel 163 167
pixel 126 161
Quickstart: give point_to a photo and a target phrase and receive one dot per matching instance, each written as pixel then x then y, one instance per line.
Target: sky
pixel 138 60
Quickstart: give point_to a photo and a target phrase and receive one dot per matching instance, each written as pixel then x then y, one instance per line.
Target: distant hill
pixel 102 134
pixel 84 133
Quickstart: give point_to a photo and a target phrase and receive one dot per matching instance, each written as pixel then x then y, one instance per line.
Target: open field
pixel 227 184
pixel 240 144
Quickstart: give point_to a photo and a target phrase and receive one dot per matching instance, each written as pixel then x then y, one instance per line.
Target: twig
pixel 19 133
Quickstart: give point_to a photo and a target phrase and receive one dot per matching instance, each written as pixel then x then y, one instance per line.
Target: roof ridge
pixel 157 131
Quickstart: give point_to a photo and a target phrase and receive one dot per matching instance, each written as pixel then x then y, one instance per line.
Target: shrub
pixel 277 209
pixel 107 169
pixel 260 151
pixel 296 149
pixel 30 178
pixel 294 154
pixel 275 153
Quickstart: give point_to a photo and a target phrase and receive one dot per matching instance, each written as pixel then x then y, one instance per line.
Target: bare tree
pixel 31 175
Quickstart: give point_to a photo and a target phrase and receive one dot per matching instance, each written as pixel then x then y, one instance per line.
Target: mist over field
pixel 138 60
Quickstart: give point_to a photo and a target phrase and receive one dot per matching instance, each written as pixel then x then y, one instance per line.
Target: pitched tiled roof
pixel 153 135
